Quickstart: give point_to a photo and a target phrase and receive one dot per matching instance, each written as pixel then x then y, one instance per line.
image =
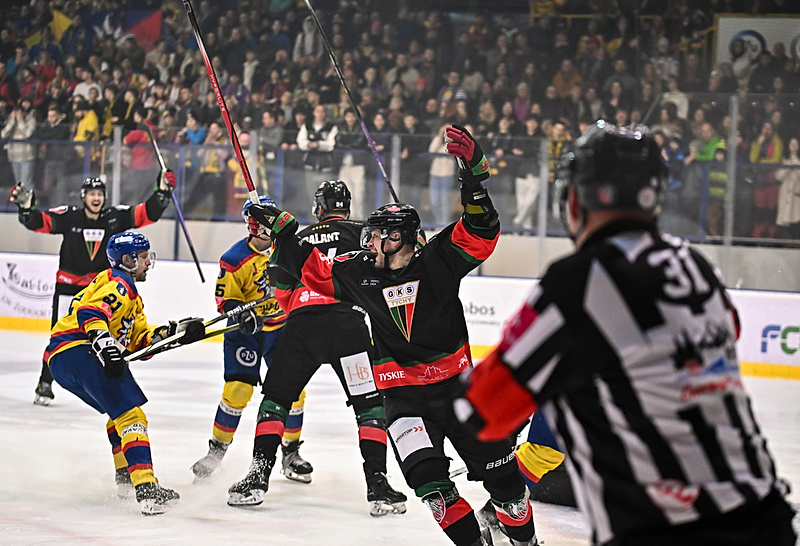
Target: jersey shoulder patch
pixel 233 258
pixel 347 256
pixel 59 210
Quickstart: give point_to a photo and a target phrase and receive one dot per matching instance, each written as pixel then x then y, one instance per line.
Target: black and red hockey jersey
pixel 417 319
pixel 83 251
pixel 332 236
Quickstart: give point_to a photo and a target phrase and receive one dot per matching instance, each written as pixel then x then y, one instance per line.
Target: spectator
pixel 788 217
pixel 9 91
pixel 767 149
pixel 664 63
pixel 693 77
pixel 527 181
pixel 574 107
pixel 762 75
pixel 76 40
pixel 558 142
pixel 308 43
pixel 717 187
pixel 500 53
pixel 450 94
pixel 550 106
pixel 415 139
pixel 88 127
pixel 211 181
pixel 677 97
pixel 522 102
pixel 566 78
pixel 30 87
pixel 317 138
pixel 615 100
pixel 142 168
pixel 351 141
pixel 442 181
pixel 621 75
pixel 55 131
pixel 20 127
pixel 403 72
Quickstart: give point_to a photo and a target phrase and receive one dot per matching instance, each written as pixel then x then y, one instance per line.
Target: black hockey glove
pixel 250 323
pixel 473 163
pixel 192 327
pixel 107 351
pixel 23 197
pixel 270 221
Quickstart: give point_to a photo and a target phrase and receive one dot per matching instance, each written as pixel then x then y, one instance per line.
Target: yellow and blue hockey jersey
pixel 244 276
pixel 110 302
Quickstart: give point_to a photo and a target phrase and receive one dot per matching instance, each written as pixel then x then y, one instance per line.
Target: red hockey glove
pixel 461 144
pixel 166 181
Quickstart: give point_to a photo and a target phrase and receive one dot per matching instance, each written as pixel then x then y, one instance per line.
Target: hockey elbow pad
pixel 479 210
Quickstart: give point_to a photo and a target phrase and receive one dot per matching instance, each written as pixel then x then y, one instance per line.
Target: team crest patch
pixel 402 301
pixel 436 504
pixel 94 240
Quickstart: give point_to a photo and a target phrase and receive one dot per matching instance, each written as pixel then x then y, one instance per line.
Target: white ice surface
pixel 56 472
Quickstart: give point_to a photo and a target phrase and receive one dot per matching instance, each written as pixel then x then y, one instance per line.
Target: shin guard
pixel 132 429
pixel 235 396
pixel 294 422
pixel 453 513
pixel 269 429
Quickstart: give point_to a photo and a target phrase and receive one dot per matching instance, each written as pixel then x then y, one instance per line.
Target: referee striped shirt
pixel 628 347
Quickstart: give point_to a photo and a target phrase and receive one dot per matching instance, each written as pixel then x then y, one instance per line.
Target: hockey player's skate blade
pixel 44 394
pixel 209 462
pixel 294 476
pixel 378 508
pixel 252 497
pixel 154 499
pixel 293 466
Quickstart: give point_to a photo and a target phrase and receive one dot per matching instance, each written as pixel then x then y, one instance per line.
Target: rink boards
pixel 769 345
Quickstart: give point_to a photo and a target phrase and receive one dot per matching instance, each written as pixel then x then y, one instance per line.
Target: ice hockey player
pixel 318 330
pixel 628 348
pixel 421 342
pixel 246 276
pixel 104 321
pixel 85 231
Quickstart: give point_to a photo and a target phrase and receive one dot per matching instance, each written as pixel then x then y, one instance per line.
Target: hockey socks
pixel 453 513
pixel 132 429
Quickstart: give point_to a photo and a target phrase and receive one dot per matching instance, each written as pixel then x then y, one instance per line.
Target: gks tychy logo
pixel 401 301
pixel 93 239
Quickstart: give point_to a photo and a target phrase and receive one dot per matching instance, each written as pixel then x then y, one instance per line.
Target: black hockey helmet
pixel 393 217
pixel 92 183
pixel 332 195
pixel 614 168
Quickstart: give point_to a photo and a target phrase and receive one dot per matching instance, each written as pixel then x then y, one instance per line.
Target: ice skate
pixel 124 484
pixel 382 498
pixel 44 394
pixel 250 491
pixel 210 462
pixel 490 528
pixel 293 466
pixel 155 499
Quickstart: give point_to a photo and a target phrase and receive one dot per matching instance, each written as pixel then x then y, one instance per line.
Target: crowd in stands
pixel 509 76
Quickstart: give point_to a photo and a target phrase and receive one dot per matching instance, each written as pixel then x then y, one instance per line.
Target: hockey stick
pixel 160 345
pixel 370 142
pixel 145 127
pixel 223 109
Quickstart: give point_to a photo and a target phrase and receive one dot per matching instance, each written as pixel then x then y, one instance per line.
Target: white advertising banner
pixel 758 34
pixel 27 283
pixel 770 327
pixel 770 320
